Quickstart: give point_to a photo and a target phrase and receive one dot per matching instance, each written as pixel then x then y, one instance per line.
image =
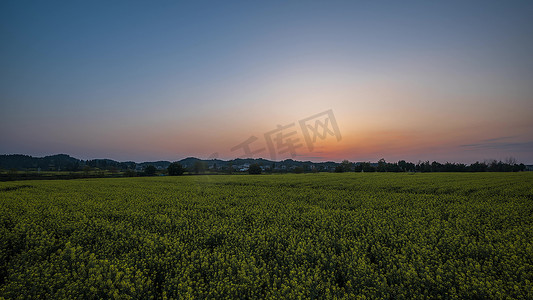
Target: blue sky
pixel 142 80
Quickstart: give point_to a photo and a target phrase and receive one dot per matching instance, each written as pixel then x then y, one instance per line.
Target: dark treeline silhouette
pixel 108 164
pixel 61 166
pixel 60 162
pixel 426 166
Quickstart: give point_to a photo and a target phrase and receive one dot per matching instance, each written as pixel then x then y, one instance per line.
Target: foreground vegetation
pixel 371 235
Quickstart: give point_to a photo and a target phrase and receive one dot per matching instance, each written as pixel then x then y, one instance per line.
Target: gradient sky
pixel 163 80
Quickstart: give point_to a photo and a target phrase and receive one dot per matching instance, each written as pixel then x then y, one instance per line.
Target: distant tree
pixel 510 161
pixel 86 169
pixel 230 168
pixel 478 167
pixel 199 166
pixel 405 166
pixel 254 169
pixel 367 167
pixel 382 165
pixel 423 166
pixel 130 173
pixel 436 167
pixel 298 170
pixel 344 166
pixel 175 169
pixel 72 166
pixel 150 170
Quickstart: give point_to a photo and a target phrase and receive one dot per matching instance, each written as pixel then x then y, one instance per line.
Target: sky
pixel 308 80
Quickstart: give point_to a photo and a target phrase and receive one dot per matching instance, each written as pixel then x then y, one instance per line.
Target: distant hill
pixel 52 162
pixel 64 162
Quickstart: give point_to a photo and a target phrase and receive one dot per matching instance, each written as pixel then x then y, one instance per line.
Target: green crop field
pixel 349 235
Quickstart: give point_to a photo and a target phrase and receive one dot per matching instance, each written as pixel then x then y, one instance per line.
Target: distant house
pixel 243 167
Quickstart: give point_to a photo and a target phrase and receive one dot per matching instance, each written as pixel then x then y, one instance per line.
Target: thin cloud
pixel 499 139
pixel 520 146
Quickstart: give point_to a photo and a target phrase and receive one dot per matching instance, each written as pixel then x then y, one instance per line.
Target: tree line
pixel 20 167
pixel 176 169
pixel 402 166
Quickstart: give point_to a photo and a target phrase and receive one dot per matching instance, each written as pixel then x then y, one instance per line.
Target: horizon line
pixel 260 158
